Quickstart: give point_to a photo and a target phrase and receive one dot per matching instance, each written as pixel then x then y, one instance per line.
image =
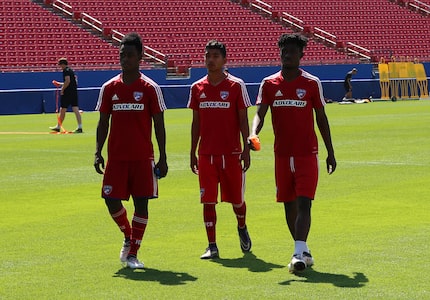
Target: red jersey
pixel 292 105
pixel 218 108
pixel 131 108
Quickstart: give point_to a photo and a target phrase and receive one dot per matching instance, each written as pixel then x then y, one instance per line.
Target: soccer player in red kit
pixel 219 102
pixel 293 96
pixel 131 102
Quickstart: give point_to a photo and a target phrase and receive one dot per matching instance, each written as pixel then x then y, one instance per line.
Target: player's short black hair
pixel 295 38
pixel 133 39
pixel 214 44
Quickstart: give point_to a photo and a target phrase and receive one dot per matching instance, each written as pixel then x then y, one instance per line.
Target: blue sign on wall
pixel 33 92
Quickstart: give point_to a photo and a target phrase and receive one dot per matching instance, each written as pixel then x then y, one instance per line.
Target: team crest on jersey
pixel 300 93
pixel 107 189
pixel 224 95
pixel 137 96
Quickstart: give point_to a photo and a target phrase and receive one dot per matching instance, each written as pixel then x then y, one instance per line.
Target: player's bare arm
pixel 65 84
pixel 160 135
pixel 324 128
pixel 258 121
pixel 195 136
pixel 244 130
pixel 101 135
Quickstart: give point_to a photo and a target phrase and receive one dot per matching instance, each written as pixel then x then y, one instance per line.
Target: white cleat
pixel 210 253
pixel 134 263
pixel 307 257
pixel 297 264
pixel 124 251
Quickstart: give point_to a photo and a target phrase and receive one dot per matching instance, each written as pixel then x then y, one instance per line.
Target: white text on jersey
pixel 127 106
pixel 295 103
pixel 214 104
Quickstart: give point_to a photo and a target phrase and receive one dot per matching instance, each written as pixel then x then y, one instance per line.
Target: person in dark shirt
pixel 347 84
pixel 69 96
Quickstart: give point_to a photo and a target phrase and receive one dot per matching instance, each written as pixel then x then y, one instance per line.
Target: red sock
pixel 137 231
pixel 240 214
pixel 209 217
pixel 121 220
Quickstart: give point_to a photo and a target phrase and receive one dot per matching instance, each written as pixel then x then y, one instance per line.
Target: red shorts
pixel 125 178
pixel 225 171
pixel 296 176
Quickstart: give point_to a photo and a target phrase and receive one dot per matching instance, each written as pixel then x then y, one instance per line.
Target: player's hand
pixel 245 159
pixel 254 143
pixel 161 169
pixel 331 164
pixel 193 164
pixel 99 161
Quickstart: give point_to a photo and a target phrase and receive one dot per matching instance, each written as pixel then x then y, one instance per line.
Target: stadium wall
pixel 33 92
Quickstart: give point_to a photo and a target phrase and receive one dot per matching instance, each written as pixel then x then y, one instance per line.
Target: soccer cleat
pixel 124 251
pixel 55 128
pixel 134 263
pixel 297 263
pixel 307 257
pixel 210 253
pixel 78 130
pixel 245 240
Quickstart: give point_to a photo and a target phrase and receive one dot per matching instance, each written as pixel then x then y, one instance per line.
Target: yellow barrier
pixel 422 83
pixel 403 80
pixel 384 81
pixel 394 80
pixel 412 81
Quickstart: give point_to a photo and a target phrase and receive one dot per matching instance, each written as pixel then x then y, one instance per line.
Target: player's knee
pixel 304 203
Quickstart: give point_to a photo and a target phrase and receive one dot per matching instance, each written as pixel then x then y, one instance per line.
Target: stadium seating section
pixel 34 36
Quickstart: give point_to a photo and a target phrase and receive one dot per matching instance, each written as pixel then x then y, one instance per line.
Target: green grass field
pixel 369 236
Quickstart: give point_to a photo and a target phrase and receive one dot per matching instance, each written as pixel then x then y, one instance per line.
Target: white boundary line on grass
pixel 389 163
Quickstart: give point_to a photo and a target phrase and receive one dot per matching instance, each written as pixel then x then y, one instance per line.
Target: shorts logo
pixel 300 93
pixel 137 96
pixel 107 189
pixel 224 94
pixel 202 192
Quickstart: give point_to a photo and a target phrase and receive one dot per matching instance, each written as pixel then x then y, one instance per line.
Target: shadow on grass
pixel 147 274
pixel 249 261
pixel 339 280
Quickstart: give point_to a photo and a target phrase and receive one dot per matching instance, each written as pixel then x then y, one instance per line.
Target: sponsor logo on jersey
pixel 224 94
pixel 203 96
pixel 287 102
pixel 300 93
pixel 127 106
pixel 107 189
pixel 214 104
pixel 115 97
pixel 137 96
pixel 278 94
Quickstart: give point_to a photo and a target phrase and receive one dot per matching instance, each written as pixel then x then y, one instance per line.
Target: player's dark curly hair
pixel 295 38
pixel 133 39
pixel 214 44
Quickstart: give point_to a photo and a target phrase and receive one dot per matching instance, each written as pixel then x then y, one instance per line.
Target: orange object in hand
pixel 254 143
pixel 56 83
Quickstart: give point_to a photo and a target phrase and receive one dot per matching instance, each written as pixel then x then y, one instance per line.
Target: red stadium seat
pixel 182 27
